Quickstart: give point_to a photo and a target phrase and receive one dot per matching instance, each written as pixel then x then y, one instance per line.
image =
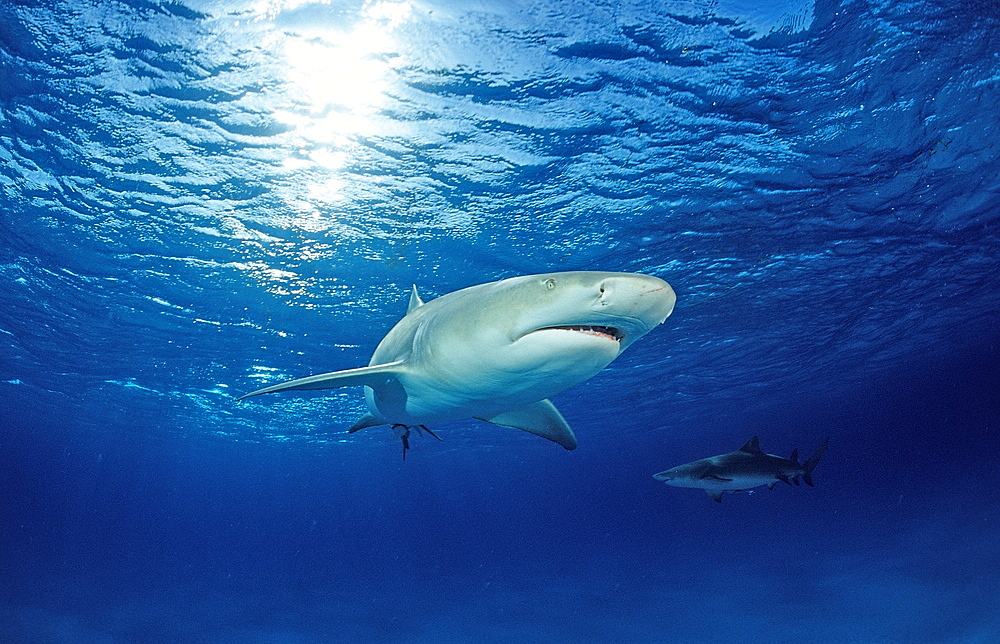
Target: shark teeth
pixel 606 331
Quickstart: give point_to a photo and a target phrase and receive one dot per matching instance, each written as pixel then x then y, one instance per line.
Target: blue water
pixel 202 197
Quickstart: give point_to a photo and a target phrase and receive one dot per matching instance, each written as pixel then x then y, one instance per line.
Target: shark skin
pixel 498 351
pixel 742 470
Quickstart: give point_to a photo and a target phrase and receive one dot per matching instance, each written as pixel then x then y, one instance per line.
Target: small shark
pixel 739 471
pixel 498 351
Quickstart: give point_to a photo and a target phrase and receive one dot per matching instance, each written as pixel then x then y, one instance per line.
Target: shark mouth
pixel 600 331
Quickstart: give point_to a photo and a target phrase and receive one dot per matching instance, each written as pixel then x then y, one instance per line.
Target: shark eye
pixel 550 283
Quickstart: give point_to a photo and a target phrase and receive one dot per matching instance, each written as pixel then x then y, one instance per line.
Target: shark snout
pixel 647 299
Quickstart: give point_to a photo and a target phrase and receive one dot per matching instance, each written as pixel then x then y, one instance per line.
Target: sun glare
pixel 338 73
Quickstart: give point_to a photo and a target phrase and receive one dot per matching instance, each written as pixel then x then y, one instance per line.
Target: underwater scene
pixel 405 321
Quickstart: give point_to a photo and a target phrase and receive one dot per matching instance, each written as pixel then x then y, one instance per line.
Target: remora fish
pixel 498 351
pixel 738 471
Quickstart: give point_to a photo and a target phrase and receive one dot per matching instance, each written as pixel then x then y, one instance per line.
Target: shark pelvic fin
pixel 752 446
pixel 415 300
pixel 715 494
pixel 541 419
pixel 371 376
pixel 365 421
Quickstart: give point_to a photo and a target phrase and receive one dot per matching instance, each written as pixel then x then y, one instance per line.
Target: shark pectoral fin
pixel 371 376
pixel 716 478
pixel 715 494
pixel 771 485
pixel 541 419
pixel 365 421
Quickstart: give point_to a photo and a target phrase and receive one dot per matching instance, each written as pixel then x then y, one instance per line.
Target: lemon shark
pixel 498 351
pixel 739 471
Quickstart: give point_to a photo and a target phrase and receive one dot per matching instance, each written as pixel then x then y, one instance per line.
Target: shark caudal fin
pixel 810 464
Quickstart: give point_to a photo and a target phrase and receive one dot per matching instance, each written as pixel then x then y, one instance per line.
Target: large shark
pixel 498 351
pixel 746 468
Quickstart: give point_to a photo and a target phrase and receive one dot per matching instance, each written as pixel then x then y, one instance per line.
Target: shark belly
pixel 738 482
pixel 445 390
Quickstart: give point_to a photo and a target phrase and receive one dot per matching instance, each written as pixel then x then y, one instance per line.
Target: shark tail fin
pixel 810 464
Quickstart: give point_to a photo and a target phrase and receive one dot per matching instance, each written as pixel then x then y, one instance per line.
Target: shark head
pixel 554 309
pixel 688 475
pixel 565 327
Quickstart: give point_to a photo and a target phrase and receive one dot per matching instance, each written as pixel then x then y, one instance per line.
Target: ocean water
pixel 199 198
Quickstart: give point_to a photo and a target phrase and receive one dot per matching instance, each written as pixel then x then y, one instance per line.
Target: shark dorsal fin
pixel 795 456
pixel 751 447
pixel 415 300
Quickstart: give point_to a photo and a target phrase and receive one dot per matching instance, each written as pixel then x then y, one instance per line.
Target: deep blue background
pixel 199 198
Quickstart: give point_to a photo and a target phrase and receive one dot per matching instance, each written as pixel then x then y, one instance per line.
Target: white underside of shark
pixel 498 351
